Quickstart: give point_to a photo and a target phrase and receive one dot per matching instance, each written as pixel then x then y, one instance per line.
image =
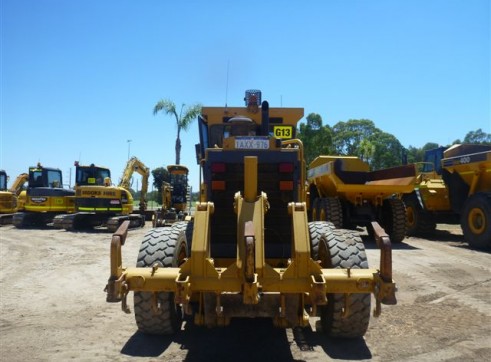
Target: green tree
pixel 183 119
pixel 347 136
pixel 478 137
pixel 316 138
pixel 388 151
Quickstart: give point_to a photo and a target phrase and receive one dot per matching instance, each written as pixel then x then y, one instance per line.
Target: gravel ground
pixel 53 308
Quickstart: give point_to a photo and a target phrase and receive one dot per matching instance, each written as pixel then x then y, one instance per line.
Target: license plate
pixel 252 143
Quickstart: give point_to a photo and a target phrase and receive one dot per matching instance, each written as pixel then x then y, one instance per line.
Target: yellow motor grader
pixel 250 250
pixel 175 195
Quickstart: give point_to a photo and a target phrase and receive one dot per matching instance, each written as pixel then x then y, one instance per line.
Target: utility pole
pixel 129 144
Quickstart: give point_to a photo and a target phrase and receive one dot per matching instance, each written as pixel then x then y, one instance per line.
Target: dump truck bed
pixel 349 177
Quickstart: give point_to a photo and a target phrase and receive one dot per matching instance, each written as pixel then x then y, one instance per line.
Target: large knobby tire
pixel 317 231
pixel 418 221
pixel 476 220
pixel 341 248
pixel 187 227
pixel 393 219
pixel 168 248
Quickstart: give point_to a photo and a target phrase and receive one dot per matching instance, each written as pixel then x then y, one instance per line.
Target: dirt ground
pixel 53 308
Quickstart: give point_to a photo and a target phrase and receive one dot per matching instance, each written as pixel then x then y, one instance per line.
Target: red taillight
pixel 286 185
pixel 217 185
pixel 285 167
pixel 218 167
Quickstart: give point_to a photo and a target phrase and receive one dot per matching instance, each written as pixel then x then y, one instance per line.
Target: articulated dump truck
pixel 343 190
pixel 250 251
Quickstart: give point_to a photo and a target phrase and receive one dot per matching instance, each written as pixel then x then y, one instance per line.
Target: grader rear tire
pixel 168 248
pixel 341 248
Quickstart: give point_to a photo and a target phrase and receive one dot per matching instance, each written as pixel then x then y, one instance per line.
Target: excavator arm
pixel 135 165
pixel 16 187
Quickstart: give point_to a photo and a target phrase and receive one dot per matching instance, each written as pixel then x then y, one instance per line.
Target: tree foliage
pixel 478 137
pixel 360 137
pixel 185 117
pixel 316 138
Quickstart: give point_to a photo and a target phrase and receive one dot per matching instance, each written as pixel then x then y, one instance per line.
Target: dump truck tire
pixel 419 222
pixel 341 248
pixel 318 230
pixel 394 219
pixel 329 209
pixel 476 221
pixel 168 248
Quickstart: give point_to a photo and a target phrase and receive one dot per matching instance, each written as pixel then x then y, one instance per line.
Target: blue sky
pixel 79 78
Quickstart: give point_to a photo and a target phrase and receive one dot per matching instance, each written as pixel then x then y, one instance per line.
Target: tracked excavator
pixel 44 199
pixel 100 204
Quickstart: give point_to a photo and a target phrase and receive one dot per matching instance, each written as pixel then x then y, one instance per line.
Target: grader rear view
pixel 250 250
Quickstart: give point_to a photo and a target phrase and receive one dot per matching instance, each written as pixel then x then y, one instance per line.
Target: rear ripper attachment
pixel 250 251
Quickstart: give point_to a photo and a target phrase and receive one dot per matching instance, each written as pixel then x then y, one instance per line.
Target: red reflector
pixel 285 167
pixel 286 185
pixel 217 185
pixel 217 167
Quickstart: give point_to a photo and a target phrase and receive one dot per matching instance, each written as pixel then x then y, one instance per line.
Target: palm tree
pixel 183 120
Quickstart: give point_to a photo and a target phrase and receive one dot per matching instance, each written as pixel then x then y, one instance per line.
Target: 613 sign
pixel 283 131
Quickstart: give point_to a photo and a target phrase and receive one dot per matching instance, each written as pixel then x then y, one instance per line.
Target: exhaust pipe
pixel 265 118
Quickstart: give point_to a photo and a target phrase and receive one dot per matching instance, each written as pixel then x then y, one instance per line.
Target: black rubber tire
pixel 393 219
pixel 317 231
pixel 418 221
pixel 341 248
pixel 168 248
pixel 476 221
pixel 188 227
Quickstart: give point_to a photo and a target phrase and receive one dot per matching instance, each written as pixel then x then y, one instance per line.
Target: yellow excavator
pixel 100 204
pixel 9 197
pixel 44 198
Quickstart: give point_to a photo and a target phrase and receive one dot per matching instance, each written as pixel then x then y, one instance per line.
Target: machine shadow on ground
pixel 246 340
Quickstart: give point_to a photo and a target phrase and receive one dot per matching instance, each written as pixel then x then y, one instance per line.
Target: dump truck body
pixel 457 192
pixel 250 250
pixel 343 190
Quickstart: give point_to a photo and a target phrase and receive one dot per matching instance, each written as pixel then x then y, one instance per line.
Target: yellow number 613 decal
pixel 283 132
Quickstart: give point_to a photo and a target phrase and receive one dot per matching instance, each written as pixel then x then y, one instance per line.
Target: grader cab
pixel 250 250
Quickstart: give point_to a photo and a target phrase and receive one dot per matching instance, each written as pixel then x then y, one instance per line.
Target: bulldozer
pixel 175 195
pixel 100 204
pixel 249 251
pixel 343 190
pixel 44 199
pixel 9 197
pixel 453 187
